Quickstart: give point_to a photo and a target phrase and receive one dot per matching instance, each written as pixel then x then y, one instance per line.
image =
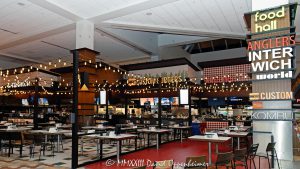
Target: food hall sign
pixel 267 21
pixel 271 58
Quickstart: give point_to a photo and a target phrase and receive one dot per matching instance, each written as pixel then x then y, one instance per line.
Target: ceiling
pixel 126 31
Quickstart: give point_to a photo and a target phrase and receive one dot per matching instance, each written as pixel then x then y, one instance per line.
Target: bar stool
pixel 270 148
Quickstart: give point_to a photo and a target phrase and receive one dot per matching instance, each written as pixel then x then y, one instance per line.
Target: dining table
pixel 57 133
pixel 157 132
pixel 234 134
pixel 206 138
pixel 9 131
pixel 113 137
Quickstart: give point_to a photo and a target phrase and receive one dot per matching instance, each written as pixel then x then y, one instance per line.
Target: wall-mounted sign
pixel 261 115
pixel 271 59
pixel 19 84
pixel 276 42
pixel 153 80
pixel 268 20
pixel 276 75
pixel 271 96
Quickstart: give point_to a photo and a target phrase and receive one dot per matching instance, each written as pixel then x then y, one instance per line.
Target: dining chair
pixel 16 140
pixel 4 141
pixel 240 155
pixel 270 148
pixel 224 159
pixel 252 153
pixel 196 162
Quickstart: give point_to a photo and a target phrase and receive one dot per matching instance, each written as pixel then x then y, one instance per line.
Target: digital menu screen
pixel 184 96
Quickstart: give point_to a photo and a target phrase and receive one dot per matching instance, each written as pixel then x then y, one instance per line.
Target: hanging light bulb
pixel 59 60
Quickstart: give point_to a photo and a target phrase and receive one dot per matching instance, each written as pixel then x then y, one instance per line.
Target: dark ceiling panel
pixel 159 64
pixel 224 62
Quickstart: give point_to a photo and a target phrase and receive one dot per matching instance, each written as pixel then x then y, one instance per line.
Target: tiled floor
pixel 63 159
pixel 174 150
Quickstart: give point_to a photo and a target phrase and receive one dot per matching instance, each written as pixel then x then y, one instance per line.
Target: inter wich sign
pixel 272 53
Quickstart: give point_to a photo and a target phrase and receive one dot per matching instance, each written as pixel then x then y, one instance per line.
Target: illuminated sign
pixel 267 21
pixel 153 80
pixel 279 75
pixel 19 84
pixel 277 59
pixel 271 43
pixel 271 96
pixel 261 115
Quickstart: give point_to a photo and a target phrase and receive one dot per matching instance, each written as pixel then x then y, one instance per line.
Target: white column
pixel 85 34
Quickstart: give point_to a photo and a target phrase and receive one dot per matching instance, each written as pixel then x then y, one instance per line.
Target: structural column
pixel 84 59
pixel 272 116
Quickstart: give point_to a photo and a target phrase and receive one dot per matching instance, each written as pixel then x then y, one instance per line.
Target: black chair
pixel 196 162
pixel 224 159
pixel 252 153
pixel 4 142
pixel 240 155
pixel 39 140
pixel 269 150
pixel 16 139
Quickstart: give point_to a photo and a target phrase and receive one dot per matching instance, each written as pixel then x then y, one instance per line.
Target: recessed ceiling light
pixel 21 4
pixel 149 13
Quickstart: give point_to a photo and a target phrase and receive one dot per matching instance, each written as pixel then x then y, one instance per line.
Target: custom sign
pixel 271 96
pixel 270 115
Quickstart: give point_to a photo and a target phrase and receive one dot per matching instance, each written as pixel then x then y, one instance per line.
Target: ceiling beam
pixel 123 41
pixel 38 36
pixel 19 58
pixel 172 30
pixel 137 59
pixel 144 5
pixel 56 9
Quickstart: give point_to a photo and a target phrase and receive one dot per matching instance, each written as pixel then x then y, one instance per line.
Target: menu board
pixel 103 97
pixel 184 96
